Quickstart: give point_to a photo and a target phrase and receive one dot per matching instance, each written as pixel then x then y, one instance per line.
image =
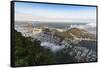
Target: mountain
pixel 75 33
pixel 28 52
pixel 80 33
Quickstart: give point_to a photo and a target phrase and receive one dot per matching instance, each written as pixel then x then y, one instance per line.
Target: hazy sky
pixel 53 13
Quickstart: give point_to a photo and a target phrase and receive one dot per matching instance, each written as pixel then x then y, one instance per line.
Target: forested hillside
pixel 30 53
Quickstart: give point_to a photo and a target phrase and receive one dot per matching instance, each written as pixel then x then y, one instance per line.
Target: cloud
pixel 31 13
pixel 30 17
pixel 53 47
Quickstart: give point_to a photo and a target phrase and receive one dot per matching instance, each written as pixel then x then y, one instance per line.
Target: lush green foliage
pixel 30 53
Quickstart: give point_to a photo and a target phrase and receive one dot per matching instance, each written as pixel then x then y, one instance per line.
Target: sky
pixel 53 13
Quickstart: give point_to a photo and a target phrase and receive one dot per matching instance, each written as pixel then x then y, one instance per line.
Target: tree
pixel 28 52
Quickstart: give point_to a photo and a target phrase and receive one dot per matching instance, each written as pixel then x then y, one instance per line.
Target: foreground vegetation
pixel 30 53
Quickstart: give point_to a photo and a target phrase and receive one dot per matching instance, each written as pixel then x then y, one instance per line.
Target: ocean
pixel 85 26
pixel 57 25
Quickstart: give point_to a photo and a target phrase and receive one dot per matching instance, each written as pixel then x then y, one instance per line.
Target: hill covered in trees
pixel 28 52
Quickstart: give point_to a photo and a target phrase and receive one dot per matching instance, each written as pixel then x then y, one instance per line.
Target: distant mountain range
pixel 71 33
pixel 80 33
pixel 75 33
